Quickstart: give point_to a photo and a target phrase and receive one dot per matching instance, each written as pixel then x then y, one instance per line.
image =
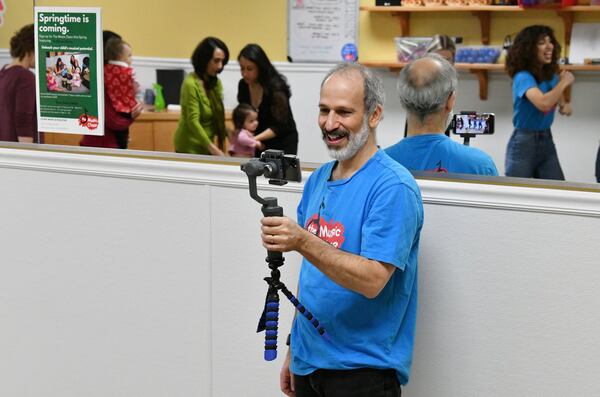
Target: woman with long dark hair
pixel 202 110
pixel 538 88
pixel 263 87
pixel 60 68
pixel 74 63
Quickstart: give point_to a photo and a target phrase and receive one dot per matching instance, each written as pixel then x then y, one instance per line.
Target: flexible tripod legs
pixel 270 317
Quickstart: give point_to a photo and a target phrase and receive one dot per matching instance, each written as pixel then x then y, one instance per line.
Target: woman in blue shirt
pixel 538 89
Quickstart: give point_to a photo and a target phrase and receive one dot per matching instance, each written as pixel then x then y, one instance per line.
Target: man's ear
pixel 450 102
pixel 375 117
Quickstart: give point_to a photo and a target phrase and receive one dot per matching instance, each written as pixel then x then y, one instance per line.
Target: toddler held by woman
pixel 242 142
pixel 119 79
pixel 119 82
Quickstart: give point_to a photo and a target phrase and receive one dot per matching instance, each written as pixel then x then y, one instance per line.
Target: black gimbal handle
pixel 270 208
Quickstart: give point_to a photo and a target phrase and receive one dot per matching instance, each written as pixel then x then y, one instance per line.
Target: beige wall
pixel 156 30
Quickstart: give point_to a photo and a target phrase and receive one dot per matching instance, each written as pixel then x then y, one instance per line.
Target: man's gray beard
pixel 355 142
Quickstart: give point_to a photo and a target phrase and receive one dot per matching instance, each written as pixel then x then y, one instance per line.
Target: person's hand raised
pixel 567 77
pixel 565 109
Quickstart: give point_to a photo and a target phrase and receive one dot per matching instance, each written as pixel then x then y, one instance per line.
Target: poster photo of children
pixel 68 72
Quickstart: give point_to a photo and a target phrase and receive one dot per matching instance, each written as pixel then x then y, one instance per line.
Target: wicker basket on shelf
pixel 434 3
pixel 412 3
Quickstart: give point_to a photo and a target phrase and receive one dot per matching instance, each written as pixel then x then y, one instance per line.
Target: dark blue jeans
pixel 532 154
pixel 363 382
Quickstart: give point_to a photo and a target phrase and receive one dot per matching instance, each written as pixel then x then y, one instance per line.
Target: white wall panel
pixel 124 276
pixel 93 304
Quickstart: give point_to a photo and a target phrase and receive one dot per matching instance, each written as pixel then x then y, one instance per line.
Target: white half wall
pixel 132 276
pixel 576 137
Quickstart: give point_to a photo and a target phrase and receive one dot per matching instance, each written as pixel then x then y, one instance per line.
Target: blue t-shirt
pixel 439 153
pixel 526 115
pixel 377 213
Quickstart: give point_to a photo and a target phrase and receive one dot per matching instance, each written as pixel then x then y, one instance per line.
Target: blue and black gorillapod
pixel 279 168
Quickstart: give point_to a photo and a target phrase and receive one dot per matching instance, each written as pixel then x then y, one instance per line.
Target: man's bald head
pixel 426 84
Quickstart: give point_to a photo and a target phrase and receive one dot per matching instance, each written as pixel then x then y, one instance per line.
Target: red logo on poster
pixel 83 119
pixel 92 123
pixel 88 121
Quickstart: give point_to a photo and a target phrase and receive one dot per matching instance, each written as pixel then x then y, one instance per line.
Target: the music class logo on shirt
pixel 331 232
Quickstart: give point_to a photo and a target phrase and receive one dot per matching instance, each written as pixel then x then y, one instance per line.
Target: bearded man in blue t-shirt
pixel 359 222
pixel 427 89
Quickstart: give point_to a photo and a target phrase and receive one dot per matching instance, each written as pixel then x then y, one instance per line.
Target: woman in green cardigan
pixel 202 111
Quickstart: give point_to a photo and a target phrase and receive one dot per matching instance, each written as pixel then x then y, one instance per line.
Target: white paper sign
pixel 322 30
pixel 585 42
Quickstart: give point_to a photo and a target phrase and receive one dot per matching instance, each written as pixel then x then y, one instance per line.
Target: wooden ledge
pixel 479 69
pixel 483 12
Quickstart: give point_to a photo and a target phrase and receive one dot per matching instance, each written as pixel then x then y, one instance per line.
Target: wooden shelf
pixel 150 131
pixel 166 115
pixel 441 8
pixel 392 9
pixel 582 8
pixel 483 12
pixel 581 68
pixel 396 66
pixel 479 69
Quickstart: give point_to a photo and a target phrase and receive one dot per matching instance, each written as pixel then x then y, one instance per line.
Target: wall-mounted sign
pixel 322 30
pixel 69 78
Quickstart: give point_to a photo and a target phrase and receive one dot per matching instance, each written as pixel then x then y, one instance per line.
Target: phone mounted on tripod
pixel 469 124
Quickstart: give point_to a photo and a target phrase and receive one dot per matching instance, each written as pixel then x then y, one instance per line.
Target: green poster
pixel 69 66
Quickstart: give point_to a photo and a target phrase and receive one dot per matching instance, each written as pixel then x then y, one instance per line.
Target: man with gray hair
pixel 358 229
pixel 427 89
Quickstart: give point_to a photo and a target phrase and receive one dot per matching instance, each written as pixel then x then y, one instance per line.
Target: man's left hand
pixel 280 233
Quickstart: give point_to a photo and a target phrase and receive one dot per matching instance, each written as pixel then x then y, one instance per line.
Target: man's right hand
pixel 286 378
